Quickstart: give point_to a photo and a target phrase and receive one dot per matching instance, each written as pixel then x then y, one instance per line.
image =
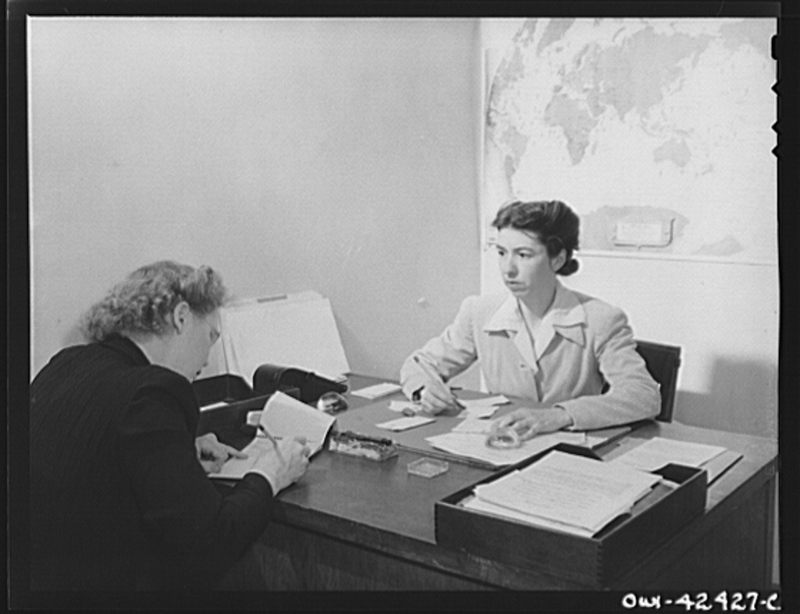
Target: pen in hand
pixel 434 377
pixel 269 436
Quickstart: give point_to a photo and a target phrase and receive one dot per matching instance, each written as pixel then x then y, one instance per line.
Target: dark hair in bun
pixel 553 222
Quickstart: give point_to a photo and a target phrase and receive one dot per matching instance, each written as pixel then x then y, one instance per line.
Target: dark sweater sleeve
pixel 199 530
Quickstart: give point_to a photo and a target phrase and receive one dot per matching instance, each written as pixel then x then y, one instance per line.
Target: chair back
pixel 662 363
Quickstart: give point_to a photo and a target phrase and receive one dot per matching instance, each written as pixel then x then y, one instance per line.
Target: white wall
pixel 337 155
pixel 334 155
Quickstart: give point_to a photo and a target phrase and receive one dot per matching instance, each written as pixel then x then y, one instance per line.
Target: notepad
pixel 236 468
pixel 282 416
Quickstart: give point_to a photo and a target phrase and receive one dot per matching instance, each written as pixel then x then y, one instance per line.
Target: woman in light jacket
pixel 572 355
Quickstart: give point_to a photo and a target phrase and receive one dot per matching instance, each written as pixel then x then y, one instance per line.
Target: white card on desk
pixel 485 401
pixel 402 424
pixel 378 390
pixel 404 405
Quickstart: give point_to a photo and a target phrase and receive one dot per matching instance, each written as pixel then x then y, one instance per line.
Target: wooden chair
pixel 662 363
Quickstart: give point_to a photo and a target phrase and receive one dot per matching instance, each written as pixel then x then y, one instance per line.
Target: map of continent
pixel 664 122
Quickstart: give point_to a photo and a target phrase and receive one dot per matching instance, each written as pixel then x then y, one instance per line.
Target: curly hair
pixel 553 222
pixel 142 304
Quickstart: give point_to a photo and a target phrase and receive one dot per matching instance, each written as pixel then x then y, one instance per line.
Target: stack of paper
pixel 658 451
pixel 567 492
pixel 283 417
pixel 473 445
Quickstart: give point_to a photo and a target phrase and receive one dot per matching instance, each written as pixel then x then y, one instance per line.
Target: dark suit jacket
pixel 118 497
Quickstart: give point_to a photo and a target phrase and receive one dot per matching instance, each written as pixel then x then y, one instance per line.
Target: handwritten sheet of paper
pixel 284 416
pixel 570 489
pixel 659 451
pixel 376 391
pixel 403 424
pixel 292 333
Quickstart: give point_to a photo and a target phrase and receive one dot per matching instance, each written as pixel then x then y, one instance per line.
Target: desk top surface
pixel 339 492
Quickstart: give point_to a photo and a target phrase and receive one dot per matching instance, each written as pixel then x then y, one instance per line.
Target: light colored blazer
pixel 582 343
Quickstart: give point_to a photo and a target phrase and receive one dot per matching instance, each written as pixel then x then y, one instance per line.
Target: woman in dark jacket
pixel 120 497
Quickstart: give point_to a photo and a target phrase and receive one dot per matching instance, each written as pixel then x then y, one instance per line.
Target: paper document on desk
pixel 473 445
pixel 473 425
pixel 480 505
pixel 659 451
pixel 377 390
pixel 586 439
pixel 403 424
pixel 284 416
pixel 569 489
pixel 289 331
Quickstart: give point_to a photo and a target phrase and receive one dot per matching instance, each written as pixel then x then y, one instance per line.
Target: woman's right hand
pixel 436 399
pixel 285 464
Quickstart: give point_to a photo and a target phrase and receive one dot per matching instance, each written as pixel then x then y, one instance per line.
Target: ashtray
pixel 428 467
pixel 332 403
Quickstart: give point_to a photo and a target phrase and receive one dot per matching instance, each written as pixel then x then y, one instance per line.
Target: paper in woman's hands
pixel 235 468
pixel 284 416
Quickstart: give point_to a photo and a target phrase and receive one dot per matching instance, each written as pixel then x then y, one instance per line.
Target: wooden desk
pixel 355 524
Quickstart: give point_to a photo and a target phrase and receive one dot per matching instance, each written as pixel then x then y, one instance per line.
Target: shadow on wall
pixel 74 336
pixel 358 353
pixel 743 398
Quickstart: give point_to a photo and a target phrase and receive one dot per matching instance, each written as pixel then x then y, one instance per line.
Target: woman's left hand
pixel 212 454
pixel 529 422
